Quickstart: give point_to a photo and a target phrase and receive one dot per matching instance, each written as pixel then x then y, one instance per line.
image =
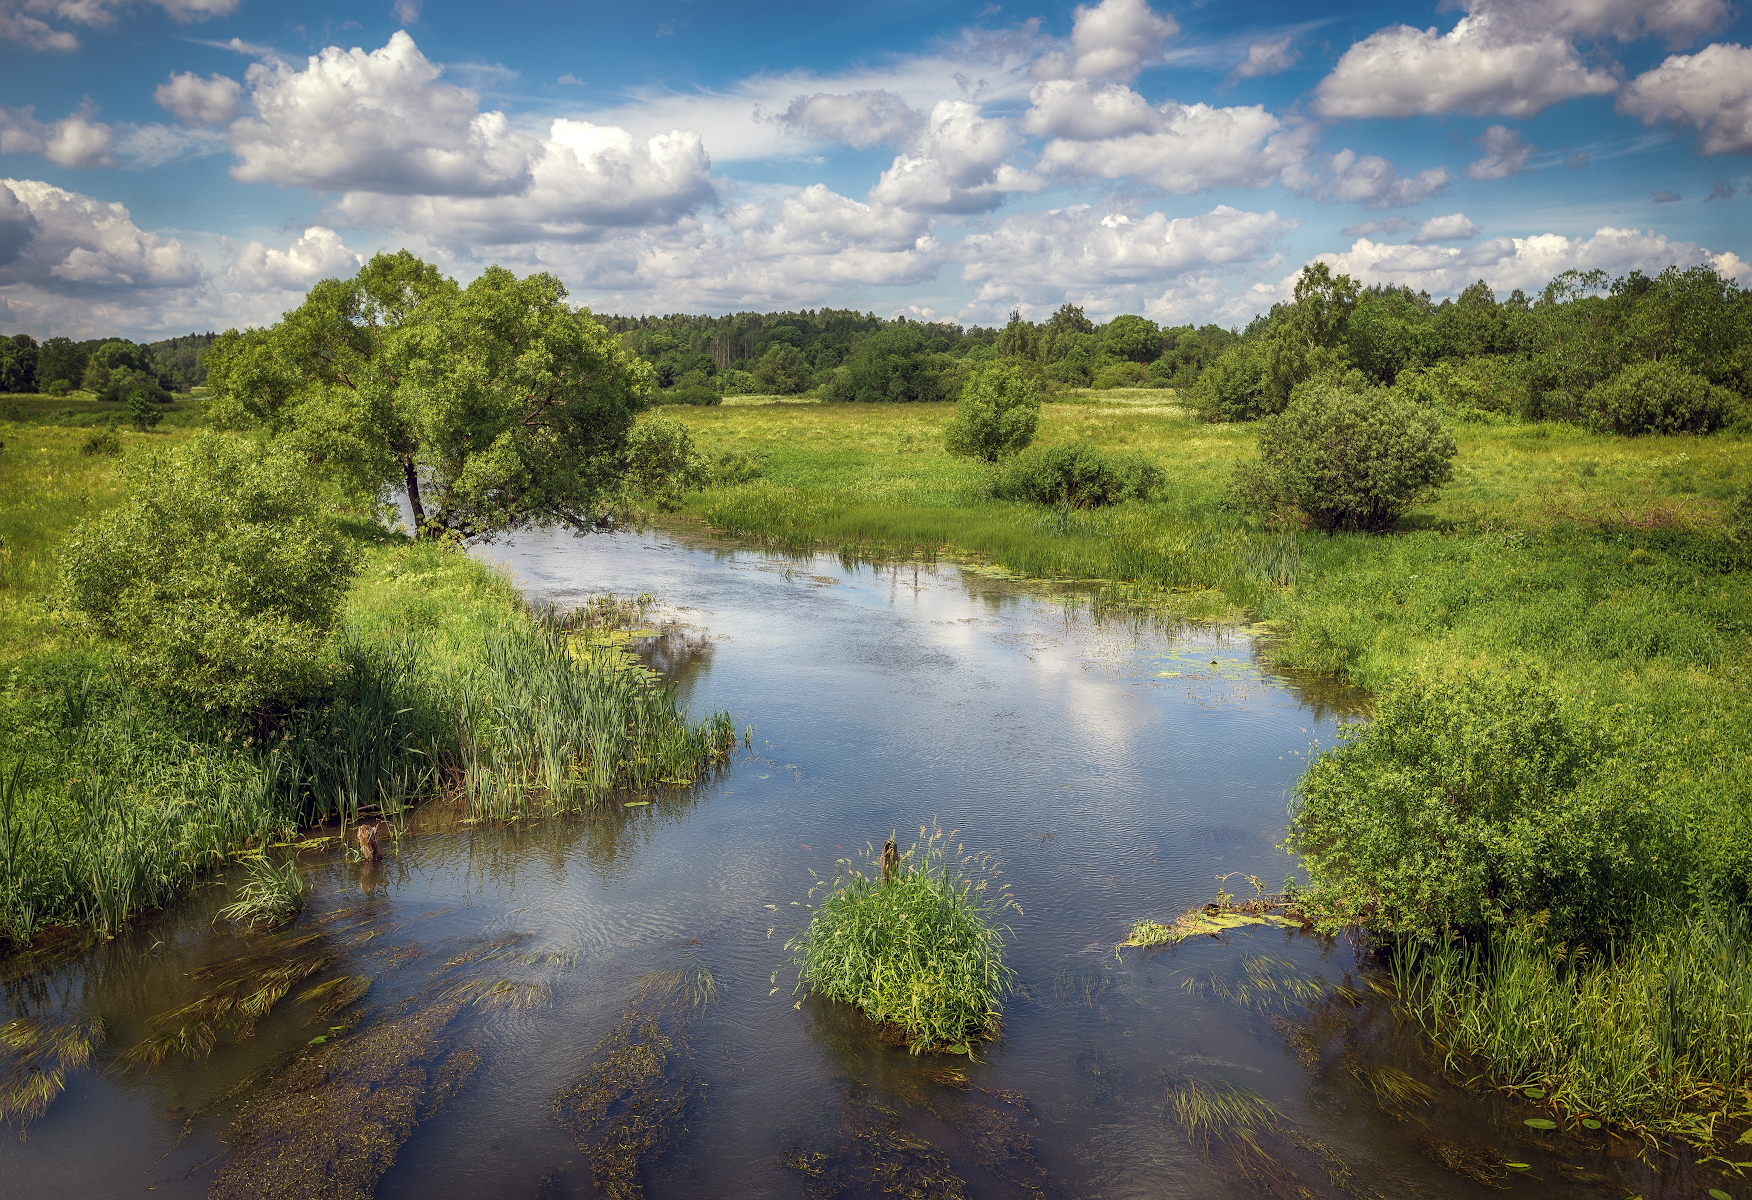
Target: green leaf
pixel 1535 1093
pixel 635 804
pixel 1518 1166
pixel 1540 1123
pixel 318 1040
pixel 1590 1123
pixel 1718 1194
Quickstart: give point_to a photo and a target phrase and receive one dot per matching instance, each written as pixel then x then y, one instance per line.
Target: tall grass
pixel 1655 1034
pixel 921 950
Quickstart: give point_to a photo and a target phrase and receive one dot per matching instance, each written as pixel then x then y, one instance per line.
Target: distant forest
pixel 104 366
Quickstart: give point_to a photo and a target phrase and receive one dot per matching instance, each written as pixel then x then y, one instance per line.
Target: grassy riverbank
pixel 1596 567
pixel 112 801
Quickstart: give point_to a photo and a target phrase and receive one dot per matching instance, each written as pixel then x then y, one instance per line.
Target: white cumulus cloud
pixel 1506 153
pixel 859 119
pixel 1369 180
pixel 376 122
pixel 81 246
pixel 1112 133
pixel 1711 90
pixel 318 254
pixel 1455 227
pixel 197 101
pixel 957 165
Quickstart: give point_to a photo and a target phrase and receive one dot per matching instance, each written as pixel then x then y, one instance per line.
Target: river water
pixel 1115 767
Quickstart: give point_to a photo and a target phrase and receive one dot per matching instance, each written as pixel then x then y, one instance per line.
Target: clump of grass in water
pixel 1235 1120
pixel 921 951
pixel 1218 917
pixel 271 896
pixel 41 1052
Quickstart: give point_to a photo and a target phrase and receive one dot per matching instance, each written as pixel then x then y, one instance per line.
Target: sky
pixel 168 166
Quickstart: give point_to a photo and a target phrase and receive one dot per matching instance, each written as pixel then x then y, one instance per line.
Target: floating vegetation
pixel 38 1053
pixel 1082 985
pixel 1474 1160
pixel 919 949
pixel 334 995
pixel 630 1106
pixel 1393 1088
pixel 1217 918
pixel 270 896
pixel 514 995
pixel 333 1123
pixel 694 987
pixel 246 989
pixel 1267 984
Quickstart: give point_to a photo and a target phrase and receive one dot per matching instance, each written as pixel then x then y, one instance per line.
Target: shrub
pixel 59 387
pixel 736 465
pixel 142 409
pixel 997 414
pixel 102 440
pixel 782 371
pixel 921 950
pixel 1077 474
pixel 1122 375
pixel 219 577
pixel 1470 801
pixel 1232 388
pixel 691 395
pixel 1347 459
pixel 738 383
pixel 1658 397
pixel 661 462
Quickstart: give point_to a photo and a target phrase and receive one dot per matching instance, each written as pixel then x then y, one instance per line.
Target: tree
pixel 218 576
pixel 18 363
pixel 782 371
pixel 495 406
pixel 1659 397
pixel 1307 337
pixel 997 414
pixel 142 409
pixel 895 364
pixel 1132 337
pixel 1348 459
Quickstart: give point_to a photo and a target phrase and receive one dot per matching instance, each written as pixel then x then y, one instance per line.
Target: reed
pixel 269 896
pixel 1654 1034
pixel 922 950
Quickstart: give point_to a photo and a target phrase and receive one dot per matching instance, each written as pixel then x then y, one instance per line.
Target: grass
pixel 920 950
pixel 111 803
pixel 270 896
pixel 1655 1036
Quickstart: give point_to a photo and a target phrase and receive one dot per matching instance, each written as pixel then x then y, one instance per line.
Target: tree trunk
pixel 420 529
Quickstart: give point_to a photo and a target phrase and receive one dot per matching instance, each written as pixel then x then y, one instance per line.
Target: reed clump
pixel 269 896
pixel 922 950
pixel 1654 1034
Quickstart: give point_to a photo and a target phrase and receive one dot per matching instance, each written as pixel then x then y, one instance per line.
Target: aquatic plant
pixel 270 895
pixel 35 1056
pixel 1220 1116
pixel 921 950
pixel 1655 1034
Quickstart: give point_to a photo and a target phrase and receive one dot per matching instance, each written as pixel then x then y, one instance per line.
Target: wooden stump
pixel 368 836
pixel 890 860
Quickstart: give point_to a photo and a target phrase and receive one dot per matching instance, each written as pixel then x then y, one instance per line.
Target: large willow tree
pixel 494 406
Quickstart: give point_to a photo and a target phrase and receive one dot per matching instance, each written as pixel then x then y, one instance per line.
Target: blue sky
pixel 196 164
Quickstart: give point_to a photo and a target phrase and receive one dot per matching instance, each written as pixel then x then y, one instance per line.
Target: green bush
pixel 102 440
pixel 997 414
pixel 1076 474
pixel 1658 397
pixel 59 387
pixel 702 396
pixel 738 383
pixel 142 409
pixel 219 578
pixel 1467 802
pixel 661 462
pixel 782 371
pixel 1347 459
pixel 736 465
pixel 921 951
pixel 1122 375
pixel 1232 388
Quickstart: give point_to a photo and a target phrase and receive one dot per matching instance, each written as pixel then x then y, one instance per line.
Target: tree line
pixel 110 368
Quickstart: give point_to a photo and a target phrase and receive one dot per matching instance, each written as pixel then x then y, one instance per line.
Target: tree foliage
pixel 495 405
pixel 1659 397
pixel 996 415
pixel 219 577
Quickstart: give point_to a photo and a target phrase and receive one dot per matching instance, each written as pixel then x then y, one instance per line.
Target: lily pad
pixel 1718 1194
pixel 1519 1166
pixel 1539 1123
pixel 1590 1123
pixel 318 1040
pixel 1534 1093
pixel 635 804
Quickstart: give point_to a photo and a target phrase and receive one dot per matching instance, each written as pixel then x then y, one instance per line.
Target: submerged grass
pixel 920 950
pixel 35 1056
